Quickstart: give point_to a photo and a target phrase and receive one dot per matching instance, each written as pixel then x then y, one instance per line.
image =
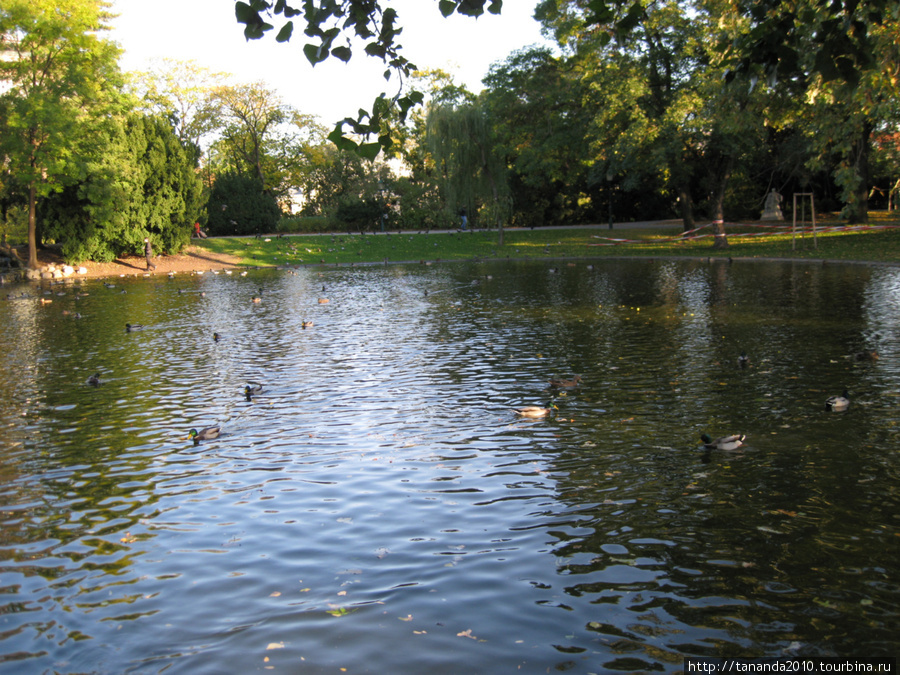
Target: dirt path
pixel 192 259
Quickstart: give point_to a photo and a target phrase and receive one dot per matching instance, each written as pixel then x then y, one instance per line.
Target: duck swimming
pixel 132 327
pixel 566 384
pixel 206 434
pixel 534 410
pixel 838 403
pixel 250 391
pixel 724 442
pixel 94 380
pixel 743 360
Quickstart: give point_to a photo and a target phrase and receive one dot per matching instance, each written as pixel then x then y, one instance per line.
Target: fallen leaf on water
pixel 276 594
pixel 467 633
pixel 275 645
pixel 408 617
pixel 785 513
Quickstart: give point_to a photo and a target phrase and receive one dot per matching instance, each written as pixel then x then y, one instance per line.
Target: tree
pixel 373 22
pixel 57 67
pixel 534 102
pixel 472 172
pixel 141 181
pixel 238 204
pixel 185 92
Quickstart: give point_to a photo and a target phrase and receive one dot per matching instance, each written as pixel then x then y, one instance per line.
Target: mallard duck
pixel 867 355
pixel 94 380
pixel 566 384
pixel 723 443
pixel 838 403
pixel 206 434
pixel 131 327
pixel 743 360
pixel 534 410
pixel 216 337
pixel 252 389
pixel 306 324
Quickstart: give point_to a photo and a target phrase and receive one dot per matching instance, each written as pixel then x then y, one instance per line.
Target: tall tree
pixel 473 173
pixel 183 91
pixel 140 181
pixel 534 101
pixel 59 72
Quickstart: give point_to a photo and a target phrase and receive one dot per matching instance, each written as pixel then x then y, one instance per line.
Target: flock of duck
pixel 728 443
pixel 731 442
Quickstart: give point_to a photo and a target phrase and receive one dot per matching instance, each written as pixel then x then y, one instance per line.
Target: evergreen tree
pixel 141 182
pixel 238 204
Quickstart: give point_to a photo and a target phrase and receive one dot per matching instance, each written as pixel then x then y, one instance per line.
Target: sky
pixel 205 31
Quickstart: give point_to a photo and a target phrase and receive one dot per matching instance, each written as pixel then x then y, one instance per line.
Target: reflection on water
pixel 379 508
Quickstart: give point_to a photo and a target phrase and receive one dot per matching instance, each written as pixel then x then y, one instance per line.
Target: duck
pixel 534 410
pixel 565 384
pixel 732 442
pixel 743 360
pixel 252 389
pixel 306 324
pixel 866 355
pixel 838 403
pixel 216 337
pixel 206 434
pixel 94 380
pixel 131 327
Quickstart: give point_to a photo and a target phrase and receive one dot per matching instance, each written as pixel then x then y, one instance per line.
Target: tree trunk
pixel 860 209
pixel 686 204
pixel 718 204
pixel 32 227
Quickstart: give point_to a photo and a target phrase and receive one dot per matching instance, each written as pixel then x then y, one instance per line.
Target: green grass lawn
pixel 873 245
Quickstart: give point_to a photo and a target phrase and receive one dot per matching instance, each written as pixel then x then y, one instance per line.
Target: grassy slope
pixel 872 245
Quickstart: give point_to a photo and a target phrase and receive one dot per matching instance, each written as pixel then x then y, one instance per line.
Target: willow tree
pixel 473 174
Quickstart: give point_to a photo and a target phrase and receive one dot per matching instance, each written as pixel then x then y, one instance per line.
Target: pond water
pixel 379 508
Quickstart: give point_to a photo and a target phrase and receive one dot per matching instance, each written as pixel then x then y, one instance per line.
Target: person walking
pixel 463 217
pixel 148 252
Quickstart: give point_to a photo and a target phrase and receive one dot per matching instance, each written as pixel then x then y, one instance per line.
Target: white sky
pixel 206 31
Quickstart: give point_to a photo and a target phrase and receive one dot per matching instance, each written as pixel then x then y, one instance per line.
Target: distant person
pixel 148 252
pixel 196 230
pixel 463 217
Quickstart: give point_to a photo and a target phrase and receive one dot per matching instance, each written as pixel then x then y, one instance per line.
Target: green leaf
pixel 369 150
pixel 342 142
pixel 315 53
pixel 342 53
pixel 495 6
pixel 255 32
pixel 285 33
pixel 244 14
pixel 447 7
pixel 376 49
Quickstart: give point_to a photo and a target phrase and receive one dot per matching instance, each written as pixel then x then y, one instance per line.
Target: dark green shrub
pixel 238 205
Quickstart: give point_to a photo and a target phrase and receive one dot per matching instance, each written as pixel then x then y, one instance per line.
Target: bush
pixel 238 205
pixel 360 214
pixel 306 225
